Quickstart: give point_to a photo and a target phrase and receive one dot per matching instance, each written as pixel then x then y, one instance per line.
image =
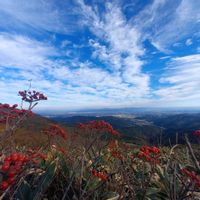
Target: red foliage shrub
pixel 9 113
pixel 100 175
pixel 54 130
pixel 149 154
pixel 192 176
pixel 14 163
pixel 99 125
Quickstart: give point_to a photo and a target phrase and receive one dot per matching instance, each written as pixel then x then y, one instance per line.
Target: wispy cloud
pixel 121 48
pixel 39 15
pixel 188 42
pixel 63 81
pixel 90 55
pixel 17 51
pixel 181 81
pixel 167 22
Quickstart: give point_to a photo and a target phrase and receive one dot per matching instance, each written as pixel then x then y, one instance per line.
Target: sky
pixel 92 54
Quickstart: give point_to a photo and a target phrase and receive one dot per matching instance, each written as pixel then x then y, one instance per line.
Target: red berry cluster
pixel 99 125
pixel 32 96
pixel 14 164
pixel 62 150
pixel 125 146
pixel 197 133
pixel 9 113
pixel 35 156
pixel 54 130
pixel 100 175
pixel 115 153
pixel 113 144
pixel 149 153
pixel 192 176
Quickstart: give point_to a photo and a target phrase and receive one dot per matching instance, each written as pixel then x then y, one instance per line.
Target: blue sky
pixel 101 54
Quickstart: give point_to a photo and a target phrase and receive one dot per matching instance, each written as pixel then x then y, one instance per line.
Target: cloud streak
pixel 167 22
pixel 17 51
pixel 182 79
pixel 39 15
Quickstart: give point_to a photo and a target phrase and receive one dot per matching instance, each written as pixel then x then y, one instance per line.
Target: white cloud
pixel 183 82
pixel 167 22
pixel 122 79
pixel 38 15
pixel 21 52
pixel 65 83
pixel 188 42
pixel 122 49
pixel 164 57
pixel 118 80
pixel 65 43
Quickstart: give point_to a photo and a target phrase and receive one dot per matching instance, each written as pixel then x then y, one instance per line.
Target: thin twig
pixel 194 159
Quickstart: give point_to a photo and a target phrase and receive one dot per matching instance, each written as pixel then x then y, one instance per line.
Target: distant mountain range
pixel 113 111
pixel 144 127
pixel 166 128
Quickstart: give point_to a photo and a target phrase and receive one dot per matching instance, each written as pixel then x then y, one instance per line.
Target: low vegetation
pixel 90 163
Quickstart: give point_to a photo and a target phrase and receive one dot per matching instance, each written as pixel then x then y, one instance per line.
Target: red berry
pixel 34 155
pixel 11 180
pixel 14 156
pixel 35 162
pixel 155 150
pixel 21 157
pixel 94 172
pixel 102 176
pixel 12 173
pixel 62 150
pixel 43 156
pixel 18 163
pixel 17 168
pixel 4 185
pixel 5 168
pixel 6 163
pixel 7 158
pixel 26 159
